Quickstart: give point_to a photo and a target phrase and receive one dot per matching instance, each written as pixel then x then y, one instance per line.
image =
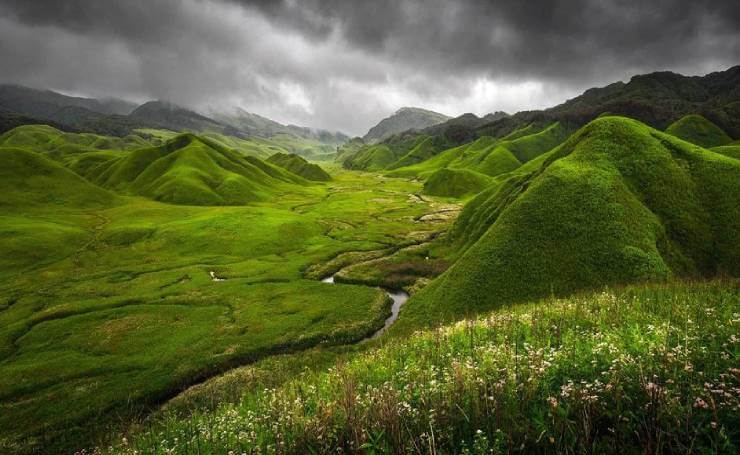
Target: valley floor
pixel 108 312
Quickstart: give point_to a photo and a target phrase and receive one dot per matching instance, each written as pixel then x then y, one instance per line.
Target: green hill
pixel 49 139
pixel 194 170
pixel 29 179
pixel 485 155
pixel 455 183
pixel 299 166
pixel 617 202
pixel 698 130
pixel 731 150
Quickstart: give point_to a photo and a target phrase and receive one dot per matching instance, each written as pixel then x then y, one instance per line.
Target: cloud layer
pixel 343 64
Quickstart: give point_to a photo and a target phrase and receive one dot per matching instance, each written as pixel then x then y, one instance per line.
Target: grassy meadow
pixel 571 291
pixel 640 368
pixel 108 300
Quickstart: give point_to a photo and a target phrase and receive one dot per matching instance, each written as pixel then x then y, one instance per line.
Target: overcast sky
pixel 343 65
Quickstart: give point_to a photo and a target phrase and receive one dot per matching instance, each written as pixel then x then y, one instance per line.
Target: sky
pixel 345 64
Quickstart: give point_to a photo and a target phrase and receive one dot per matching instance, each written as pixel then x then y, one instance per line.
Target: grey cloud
pixel 344 64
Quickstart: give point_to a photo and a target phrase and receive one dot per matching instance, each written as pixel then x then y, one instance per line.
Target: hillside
pixel 455 183
pixel 406 118
pixel 587 371
pixel 657 99
pixel 28 179
pixel 618 202
pixel 299 166
pixel 161 114
pixel 193 170
pixel 698 130
pixel 106 116
pixel 488 155
pixel 257 125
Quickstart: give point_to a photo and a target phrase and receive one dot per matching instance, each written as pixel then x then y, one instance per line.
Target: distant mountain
pixel 258 125
pixel 28 105
pixel 23 105
pixel 47 104
pixel 406 118
pixel 170 116
pixel 657 99
pixel 413 146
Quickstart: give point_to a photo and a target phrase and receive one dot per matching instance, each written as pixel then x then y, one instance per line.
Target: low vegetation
pixel 210 288
pixel 698 130
pixel 299 166
pixel 112 303
pixel 637 369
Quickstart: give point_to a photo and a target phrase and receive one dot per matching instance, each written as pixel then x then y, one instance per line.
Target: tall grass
pixel 638 369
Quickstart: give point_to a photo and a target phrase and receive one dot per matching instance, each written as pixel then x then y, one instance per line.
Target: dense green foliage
pixel 698 130
pixel 618 202
pixel 643 369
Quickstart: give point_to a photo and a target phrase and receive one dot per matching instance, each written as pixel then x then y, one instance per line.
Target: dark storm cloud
pixel 343 64
pixel 558 39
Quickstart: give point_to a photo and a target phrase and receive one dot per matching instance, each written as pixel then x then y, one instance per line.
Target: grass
pixel 108 307
pixel 463 170
pixel 299 166
pixel 637 369
pixel 192 170
pixel 618 202
pixel 456 183
pixel 731 150
pixel 698 130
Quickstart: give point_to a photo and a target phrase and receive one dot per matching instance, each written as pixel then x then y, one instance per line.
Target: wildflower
pixel 553 401
pixel 699 403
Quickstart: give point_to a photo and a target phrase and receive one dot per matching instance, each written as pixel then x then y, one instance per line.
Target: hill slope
pixel 299 166
pixel 698 130
pixel 172 117
pixel 617 202
pixel 29 179
pixel 257 125
pixel 657 99
pixel 406 118
pixel 193 170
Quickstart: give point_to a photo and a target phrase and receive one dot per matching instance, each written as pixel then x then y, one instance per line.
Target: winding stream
pixel 398 297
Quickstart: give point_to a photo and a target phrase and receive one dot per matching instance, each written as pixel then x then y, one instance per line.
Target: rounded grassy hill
pixel 698 130
pixel 618 202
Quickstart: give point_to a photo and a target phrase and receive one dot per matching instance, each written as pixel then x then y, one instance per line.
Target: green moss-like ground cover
pixel 618 202
pixel 698 130
pixel 107 304
pixel 299 166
